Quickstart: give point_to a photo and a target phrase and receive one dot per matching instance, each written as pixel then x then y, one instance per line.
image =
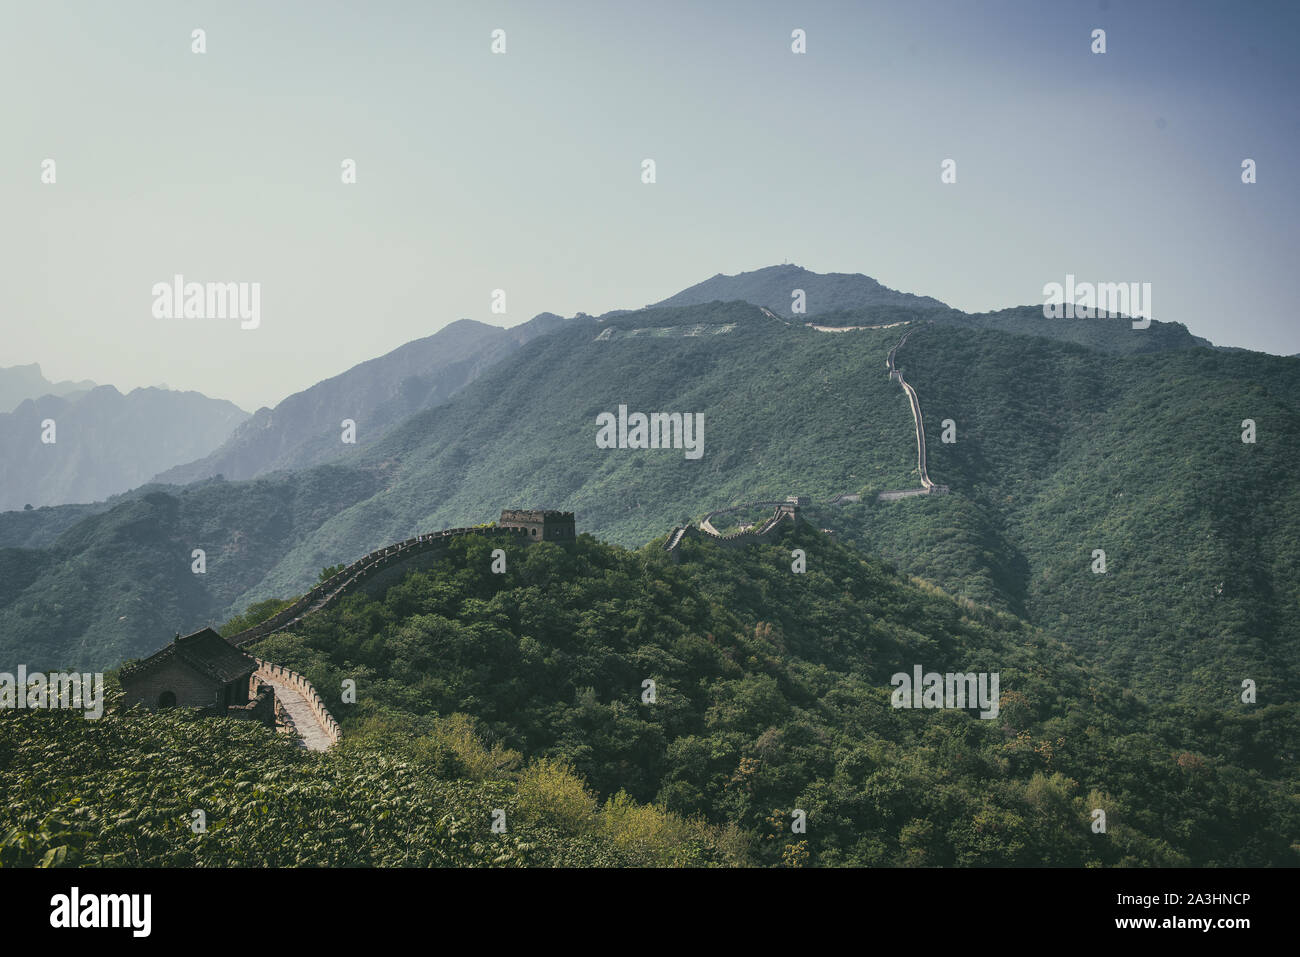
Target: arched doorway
pixel 167 699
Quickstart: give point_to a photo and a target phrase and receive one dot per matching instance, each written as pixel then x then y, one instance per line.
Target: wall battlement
pixel 517 526
pixel 790 507
pixel 270 676
pixel 338 586
pixel 542 525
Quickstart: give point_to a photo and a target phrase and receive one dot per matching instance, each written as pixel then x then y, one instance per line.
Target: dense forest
pixel 1142 458
pixel 1070 436
pixel 525 692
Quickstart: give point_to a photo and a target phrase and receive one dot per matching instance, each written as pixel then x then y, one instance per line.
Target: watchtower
pixel 541 525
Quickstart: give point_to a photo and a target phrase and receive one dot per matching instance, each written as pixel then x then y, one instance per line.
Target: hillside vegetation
pixel 304 429
pixel 129 785
pixel 1062 448
pixel 525 691
pixel 1060 451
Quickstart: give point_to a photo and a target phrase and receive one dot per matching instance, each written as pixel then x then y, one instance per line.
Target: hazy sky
pixel 522 171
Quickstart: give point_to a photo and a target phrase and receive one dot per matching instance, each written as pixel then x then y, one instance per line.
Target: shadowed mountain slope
pixel 104 442
pixel 306 428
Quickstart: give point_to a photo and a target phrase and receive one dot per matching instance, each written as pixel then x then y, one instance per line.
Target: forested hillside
pixel 526 691
pixel 523 434
pixel 304 429
pixel 1061 449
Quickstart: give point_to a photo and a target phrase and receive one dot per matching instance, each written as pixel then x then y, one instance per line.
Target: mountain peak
pixel 28 382
pixel 773 287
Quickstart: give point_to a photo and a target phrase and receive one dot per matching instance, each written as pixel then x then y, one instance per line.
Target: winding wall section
pixel 339 585
pixel 917 420
pixel 787 509
pixel 298 704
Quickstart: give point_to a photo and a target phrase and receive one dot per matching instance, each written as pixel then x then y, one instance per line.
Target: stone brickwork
pixel 794 502
pixel 768 531
pixel 199 670
pixel 278 676
pixel 541 525
pixel 261 706
pixel 191 688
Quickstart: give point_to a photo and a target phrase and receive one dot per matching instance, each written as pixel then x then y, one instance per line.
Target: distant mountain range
pixel 306 428
pixel 26 382
pixel 103 442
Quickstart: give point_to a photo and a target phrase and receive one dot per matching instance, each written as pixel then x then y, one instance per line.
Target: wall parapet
pixel 278 674
pixel 784 511
pixel 339 585
pixel 789 507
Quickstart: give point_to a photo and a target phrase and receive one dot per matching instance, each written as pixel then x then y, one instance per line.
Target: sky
pixel 522 171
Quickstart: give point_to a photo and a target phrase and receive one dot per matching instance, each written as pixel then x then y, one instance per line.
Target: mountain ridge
pixel 789 410
pixel 93 444
pixel 304 429
pixel 28 382
pixel 773 287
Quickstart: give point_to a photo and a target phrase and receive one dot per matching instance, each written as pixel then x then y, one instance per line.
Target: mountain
pixel 18 383
pixel 1112 334
pixel 621 708
pixel 102 442
pixel 852 299
pixel 1061 449
pixel 773 287
pixel 305 429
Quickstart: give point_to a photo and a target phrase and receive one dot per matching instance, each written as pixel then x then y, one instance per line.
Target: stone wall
pixel 192 689
pixel 540 524
pixel 278 674
pixel 261 706
pixel 766 532
pixel 338 586
pixel 789 508
pixel 371 571
pixel 904 493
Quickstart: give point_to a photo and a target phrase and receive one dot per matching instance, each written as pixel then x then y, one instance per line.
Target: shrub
pixel 551 791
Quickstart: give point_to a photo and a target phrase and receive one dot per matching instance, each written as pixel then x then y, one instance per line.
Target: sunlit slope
pixel 1060 451
pixel 786 410
pixel 772 691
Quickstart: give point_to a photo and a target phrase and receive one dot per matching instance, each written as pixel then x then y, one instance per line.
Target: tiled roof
pixel 205 651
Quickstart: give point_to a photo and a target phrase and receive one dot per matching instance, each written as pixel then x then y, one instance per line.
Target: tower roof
pixel 205 651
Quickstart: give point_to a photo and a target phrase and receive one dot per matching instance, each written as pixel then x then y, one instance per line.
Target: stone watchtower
pixel 540 525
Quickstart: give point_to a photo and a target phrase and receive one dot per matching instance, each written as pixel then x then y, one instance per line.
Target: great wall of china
pixel 926 485
pixel 301 707
pixel 788 510
pixel 343 583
